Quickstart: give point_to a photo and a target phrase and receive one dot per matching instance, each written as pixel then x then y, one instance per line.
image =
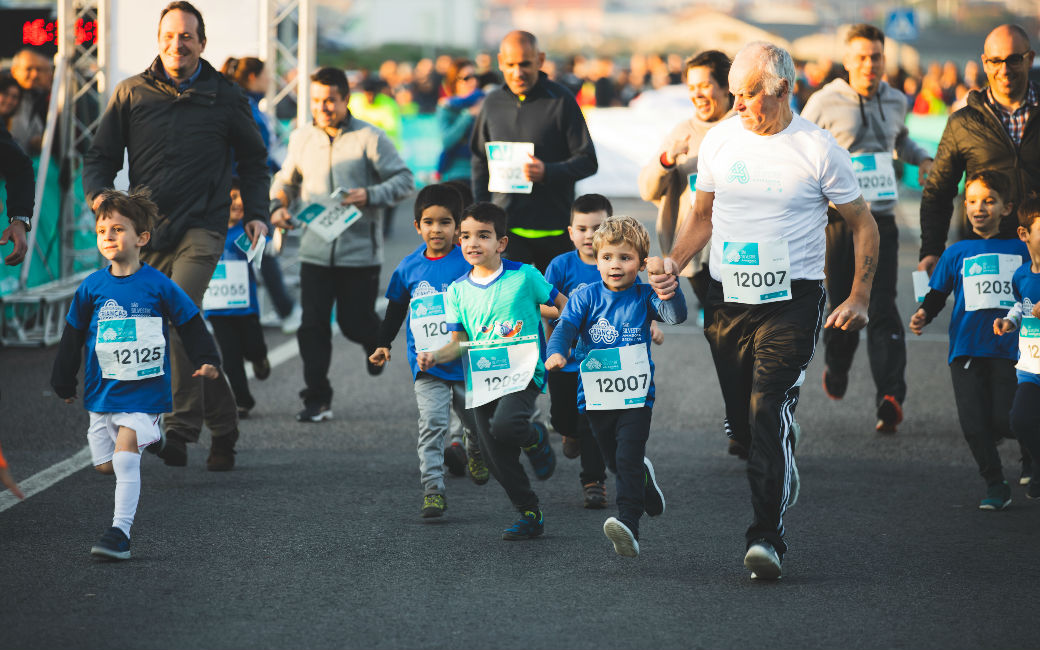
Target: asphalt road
pixel 314 540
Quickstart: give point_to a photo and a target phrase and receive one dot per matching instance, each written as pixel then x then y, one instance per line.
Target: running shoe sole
pixel 625 543
pixel 762 562
pixel 652 509
pixel 107 553
pixel 324 415
pixel 995 505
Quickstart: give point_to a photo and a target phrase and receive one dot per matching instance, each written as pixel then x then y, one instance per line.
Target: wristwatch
pixel 25 220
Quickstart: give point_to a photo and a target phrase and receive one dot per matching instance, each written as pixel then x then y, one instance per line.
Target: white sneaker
pixel 625 543
pixel 291 323
pixel 763 561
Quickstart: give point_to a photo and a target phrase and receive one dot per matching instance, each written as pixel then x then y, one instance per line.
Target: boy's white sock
pixel 127 466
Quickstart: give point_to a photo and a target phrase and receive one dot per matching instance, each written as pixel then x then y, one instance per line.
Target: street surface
pixel 315 540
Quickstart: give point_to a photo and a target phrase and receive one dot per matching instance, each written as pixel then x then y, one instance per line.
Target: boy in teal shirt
pixel 498 302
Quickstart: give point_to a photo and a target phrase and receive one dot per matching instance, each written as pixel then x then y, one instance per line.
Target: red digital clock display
pixel 42 32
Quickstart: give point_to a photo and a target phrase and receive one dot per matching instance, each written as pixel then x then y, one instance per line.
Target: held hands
pixel 662 275
pixel 380 357
pixel 206 371
pixel 1002 326
pixel 678 148
pixel 555 362
pixel 850 316
pixel 917 321
pixel 425 360
pixel 923 170
pixel 534 170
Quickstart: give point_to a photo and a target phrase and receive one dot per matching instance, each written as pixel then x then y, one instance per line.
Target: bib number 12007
pixel 128 356
pixel 756 279
pixel 623 384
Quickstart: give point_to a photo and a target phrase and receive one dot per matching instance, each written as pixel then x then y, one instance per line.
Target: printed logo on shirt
pixel 1027 307
pixel 740 253
pixel 505 329
pixel 603 332
pixel 579 286
pixel 424 288
pixel 739 172
pixel 111 310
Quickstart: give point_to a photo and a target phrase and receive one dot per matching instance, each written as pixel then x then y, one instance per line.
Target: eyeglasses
pixel 1011 59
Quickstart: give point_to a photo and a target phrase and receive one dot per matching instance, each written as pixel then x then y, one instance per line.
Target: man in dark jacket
pixel 997 130
pixel 179 121
pixel 540 147
pixel 17 170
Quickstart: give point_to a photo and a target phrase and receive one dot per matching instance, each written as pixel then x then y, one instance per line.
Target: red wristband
pixel 664 162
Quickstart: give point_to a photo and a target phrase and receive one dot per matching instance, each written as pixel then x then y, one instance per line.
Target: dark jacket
pixel 179 145
pixel 975 140
pixel 17 170
pixel 551 119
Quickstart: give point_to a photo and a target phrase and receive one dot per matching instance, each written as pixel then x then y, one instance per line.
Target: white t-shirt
pixel 773 187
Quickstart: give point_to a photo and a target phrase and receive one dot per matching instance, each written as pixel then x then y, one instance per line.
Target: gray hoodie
pixel 866 125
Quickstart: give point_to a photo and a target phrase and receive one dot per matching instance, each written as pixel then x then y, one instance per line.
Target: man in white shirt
pixel 764 179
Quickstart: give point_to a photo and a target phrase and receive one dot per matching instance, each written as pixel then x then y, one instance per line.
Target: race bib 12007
pixel 756 272
pixel 616 378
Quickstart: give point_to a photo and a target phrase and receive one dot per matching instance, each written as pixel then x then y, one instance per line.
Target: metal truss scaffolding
pixel 288 42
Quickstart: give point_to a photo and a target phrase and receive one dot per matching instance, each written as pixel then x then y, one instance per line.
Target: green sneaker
pixel 998 497
pixel 477 470
pixel 434 505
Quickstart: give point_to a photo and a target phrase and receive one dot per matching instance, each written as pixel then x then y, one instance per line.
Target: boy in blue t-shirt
pixel 610 321
pixel 416 297
pixel 232 309
pixel 120 315
pixel 982 366
pixel 1025 410
pixel 568 273
pixel 496 307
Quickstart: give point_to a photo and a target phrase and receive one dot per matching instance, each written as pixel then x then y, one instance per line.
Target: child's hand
pixel 1002 326
pixel 555 362
pixel 206 370
pixel 917 321
pixel 1036 310
pixel 656 335
pixel 425 360
pixel 379 357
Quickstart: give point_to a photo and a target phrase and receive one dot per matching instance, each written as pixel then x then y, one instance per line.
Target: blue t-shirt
pixel 613 319
pixel 146 293
pixel 233 253
pixel 1026 286
pixel 568 273
pixel 971 332
pixel 419 276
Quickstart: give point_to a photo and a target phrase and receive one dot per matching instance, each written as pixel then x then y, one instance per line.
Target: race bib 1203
pixel 987 281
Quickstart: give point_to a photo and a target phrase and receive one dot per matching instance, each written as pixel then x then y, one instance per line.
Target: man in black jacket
pixel 545 149
pixel 17 170
pixel 999 129
pixel 179 122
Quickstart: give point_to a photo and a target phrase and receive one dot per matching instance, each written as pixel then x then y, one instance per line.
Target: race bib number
pixel 876 175
pixel 1029 346
pixel 426 321
pixel 506 162
pixel 756 272
pixel 498 367
pixel 616 378
pixel 329 222
pixel 920 285
pixel 229 286
pixel 987 281
pixel 130 349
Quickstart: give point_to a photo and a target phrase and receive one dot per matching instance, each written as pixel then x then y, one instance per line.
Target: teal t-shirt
pixel 505 308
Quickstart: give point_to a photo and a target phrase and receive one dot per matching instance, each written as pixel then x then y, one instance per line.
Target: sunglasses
pixel 1011 59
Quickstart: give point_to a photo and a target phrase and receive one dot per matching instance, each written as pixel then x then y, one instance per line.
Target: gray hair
pixel 773 62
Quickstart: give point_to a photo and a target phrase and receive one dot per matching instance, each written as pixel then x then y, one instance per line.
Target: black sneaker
pixel 737 449
pixel 1033 490
pixel 998 497
pixel 763 561
pixel 834 384
pixel 261 369
pixel 889 415
pixel 595 495
pixel 571 446
pixel 433 505
pixel 113 545
pixel 315 413
pixel 455 459
pixel 528 526
pixel 541 454
pixel 171 448
pixel 653 497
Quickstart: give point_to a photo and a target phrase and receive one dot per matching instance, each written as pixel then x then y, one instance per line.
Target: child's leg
pixel 102 440
pixel 254 347
pixel 629 430
pixel 126 463
pixel 563 402
pixel 465 417
pixel 593 469
pixel 433 397
pixel 228 332
pixel 973 396
pixel 603 425
pixel 1025 417
pixel 1003 384
pixel 503 427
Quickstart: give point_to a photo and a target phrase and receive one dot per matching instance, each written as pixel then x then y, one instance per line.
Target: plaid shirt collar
pixel 1015 122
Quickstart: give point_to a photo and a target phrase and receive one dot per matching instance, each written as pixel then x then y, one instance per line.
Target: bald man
pixel 994 131
pixel 540 147
pixel 34 72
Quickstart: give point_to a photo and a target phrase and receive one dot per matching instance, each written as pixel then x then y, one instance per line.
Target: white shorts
pixel 101 434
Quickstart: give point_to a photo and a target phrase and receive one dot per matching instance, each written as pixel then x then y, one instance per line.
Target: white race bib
pixel 506 162
pixel 616 378
pixel 329 222
pixel 427 323
pixel 229 286
pixel 876 175
pixel 756 272
pixel 498 367
pixel 920 285
pixel 129 349
pixel 987 281
pixel 1029 345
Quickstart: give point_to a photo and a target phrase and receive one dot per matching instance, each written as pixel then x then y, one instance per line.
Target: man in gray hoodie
pixel 866 116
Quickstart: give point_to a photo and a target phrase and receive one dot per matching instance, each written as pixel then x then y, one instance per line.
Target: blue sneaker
pixel 653 498
pixel 114 545
pixel 998 497
pixel 763 561
pixel 528 526
pixel 541 454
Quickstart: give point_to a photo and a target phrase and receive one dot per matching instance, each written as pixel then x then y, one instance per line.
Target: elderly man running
pixel 763 184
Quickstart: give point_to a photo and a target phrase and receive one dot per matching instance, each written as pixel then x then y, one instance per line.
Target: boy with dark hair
pixel 416 296
pixel 120 315
pixel 493 314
